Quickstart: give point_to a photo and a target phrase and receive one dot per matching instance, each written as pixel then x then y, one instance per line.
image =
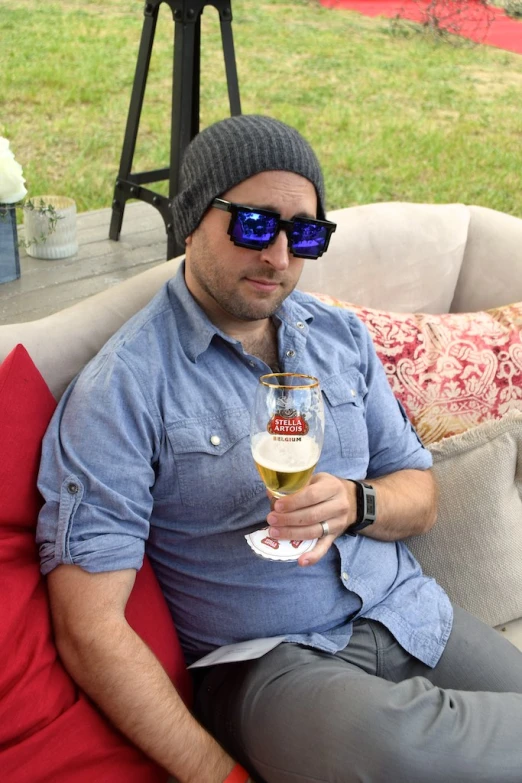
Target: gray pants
pixel 372 713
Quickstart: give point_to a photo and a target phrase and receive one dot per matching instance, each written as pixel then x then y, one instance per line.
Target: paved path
pixel 504 31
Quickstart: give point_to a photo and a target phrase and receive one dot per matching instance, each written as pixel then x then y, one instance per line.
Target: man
pixel 377 678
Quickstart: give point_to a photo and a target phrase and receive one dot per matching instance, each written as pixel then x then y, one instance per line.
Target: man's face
pixel 237 284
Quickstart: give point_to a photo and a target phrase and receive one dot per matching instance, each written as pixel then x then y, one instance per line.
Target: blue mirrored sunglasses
pixel 257 228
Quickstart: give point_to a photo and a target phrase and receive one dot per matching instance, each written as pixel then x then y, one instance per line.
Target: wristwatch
pixel 366 507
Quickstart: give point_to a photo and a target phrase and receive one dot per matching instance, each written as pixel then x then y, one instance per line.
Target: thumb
pixel 319 551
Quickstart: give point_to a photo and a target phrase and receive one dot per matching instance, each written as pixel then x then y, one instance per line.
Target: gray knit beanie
pixel 230 151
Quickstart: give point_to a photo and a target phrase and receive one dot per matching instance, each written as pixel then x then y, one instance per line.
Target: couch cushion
pixel 475 549
pixel 451 371
pixel 48 729
pixel 491 272
pixel 397 256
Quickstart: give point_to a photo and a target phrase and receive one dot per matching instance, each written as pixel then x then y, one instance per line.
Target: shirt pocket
pixel 345 402
pixel 214 463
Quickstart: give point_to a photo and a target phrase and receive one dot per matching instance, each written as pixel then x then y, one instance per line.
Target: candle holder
pixel 50 238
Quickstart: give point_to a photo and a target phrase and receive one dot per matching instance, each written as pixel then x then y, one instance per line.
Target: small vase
pixel 60 243
pixel 9 257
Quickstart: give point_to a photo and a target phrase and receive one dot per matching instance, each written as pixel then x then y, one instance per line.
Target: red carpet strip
pixel 504 32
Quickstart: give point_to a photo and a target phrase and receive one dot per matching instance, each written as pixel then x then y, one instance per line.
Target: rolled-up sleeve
pixel 393 442
pixel 97 472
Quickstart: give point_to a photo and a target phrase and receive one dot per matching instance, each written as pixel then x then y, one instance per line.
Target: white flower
pixel 11 176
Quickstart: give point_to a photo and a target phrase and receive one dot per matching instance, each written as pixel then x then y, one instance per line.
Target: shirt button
pixel 290 354
pixel 300 325
pixel 353 392
pixel 345 576
pixel 72 488
pixel 215 440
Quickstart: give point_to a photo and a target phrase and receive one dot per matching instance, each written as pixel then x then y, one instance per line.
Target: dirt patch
pixel 447 114
pixel 488 82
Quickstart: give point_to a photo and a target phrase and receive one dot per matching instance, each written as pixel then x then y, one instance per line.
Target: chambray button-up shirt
pixel 149 451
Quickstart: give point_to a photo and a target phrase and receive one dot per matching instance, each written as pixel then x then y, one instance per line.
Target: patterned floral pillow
pixel 452 371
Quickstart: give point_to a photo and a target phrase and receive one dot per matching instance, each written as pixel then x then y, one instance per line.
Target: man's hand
pixel 325 498
pixel 406 506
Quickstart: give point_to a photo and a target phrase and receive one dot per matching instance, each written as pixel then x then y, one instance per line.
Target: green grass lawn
pixel 392 115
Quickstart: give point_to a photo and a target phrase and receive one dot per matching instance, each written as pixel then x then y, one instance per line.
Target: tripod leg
pixel 133 118
pixel 230 62
pixel 184 107
pixel 196 79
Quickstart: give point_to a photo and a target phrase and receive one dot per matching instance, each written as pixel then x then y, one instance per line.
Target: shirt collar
pixel 294 312
pixel 196 330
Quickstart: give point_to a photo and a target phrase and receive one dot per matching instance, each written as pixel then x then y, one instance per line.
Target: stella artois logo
pixel 273 544
pixel 287 422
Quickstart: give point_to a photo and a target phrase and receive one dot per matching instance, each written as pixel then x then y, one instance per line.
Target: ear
pixel 188 240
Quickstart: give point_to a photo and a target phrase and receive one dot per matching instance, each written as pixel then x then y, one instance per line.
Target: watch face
pixel 370 505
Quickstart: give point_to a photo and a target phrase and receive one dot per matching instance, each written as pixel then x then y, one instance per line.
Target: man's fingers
pixel 316 491
pixel 293 522
pixel 301 516
pixel 304 533
pixel 306 521
pixel 319 551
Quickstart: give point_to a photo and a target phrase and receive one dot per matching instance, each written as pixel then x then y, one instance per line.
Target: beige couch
pixel 395 256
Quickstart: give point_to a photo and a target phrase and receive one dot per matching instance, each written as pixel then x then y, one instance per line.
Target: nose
pixel 277 254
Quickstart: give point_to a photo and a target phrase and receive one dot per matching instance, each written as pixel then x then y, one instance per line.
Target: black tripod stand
pixel 185 106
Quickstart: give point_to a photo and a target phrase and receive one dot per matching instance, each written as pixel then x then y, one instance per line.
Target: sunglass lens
pixel 253 229
pixel 308 238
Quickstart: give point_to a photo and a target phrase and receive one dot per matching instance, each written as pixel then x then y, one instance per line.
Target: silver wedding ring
pixel 325 527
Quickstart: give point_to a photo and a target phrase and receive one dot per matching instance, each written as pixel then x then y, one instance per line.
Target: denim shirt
pixel 130 464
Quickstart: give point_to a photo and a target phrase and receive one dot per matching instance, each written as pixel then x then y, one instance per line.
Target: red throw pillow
pixel 26 406
pixel 450 371
pixel 49 730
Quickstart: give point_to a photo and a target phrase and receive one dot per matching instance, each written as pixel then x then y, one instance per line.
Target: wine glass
pixel 286 438
pixel 287 430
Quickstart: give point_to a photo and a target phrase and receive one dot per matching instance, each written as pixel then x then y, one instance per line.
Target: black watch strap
pixel 366 507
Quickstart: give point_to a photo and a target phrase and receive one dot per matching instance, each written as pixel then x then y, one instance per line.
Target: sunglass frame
pixel 282 225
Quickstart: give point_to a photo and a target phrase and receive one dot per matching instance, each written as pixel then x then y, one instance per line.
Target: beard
pixel 213 275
